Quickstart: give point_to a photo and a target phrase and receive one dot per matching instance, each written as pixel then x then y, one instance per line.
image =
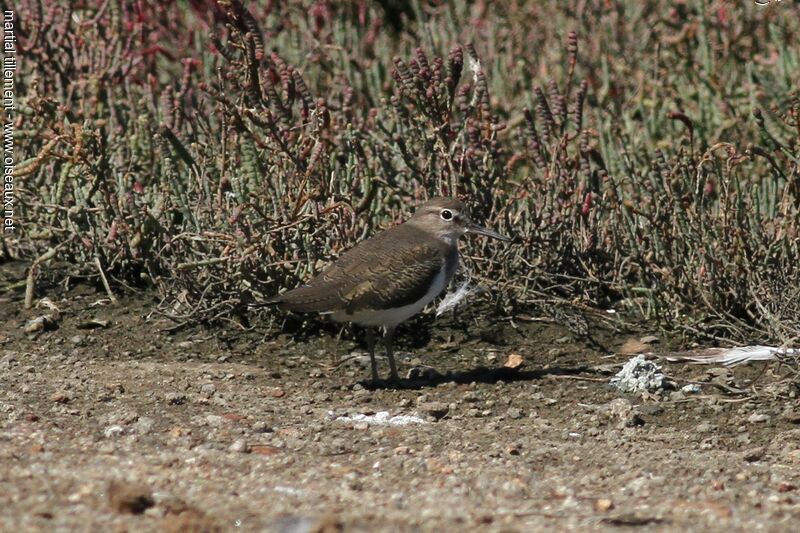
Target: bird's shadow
pixel 479 374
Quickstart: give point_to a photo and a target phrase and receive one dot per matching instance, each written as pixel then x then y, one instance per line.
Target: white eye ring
pixel 446 214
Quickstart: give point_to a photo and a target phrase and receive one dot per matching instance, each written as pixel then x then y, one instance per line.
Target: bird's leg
pixel 371 347
pixel 388 340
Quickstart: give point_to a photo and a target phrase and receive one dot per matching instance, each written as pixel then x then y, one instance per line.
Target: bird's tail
pixel 304 299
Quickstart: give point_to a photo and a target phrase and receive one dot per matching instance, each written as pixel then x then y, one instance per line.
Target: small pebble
pixel 756 454
pixel 705 427
pixel 239 446
pixel 676 396
pixel 471 397
pixel 143 425
pixel 129 498
pixel 113 431
pixel 175 398
pixel 261 427
pixel 214 421
pixel 514 413
pixel 435 409
pixel 603 505
pixel 793 416
pixel 60 397
pixel 758 417
pixel 513 449
pixel 652 409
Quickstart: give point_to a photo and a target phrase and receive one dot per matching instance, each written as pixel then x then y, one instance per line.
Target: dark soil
pixel 125 426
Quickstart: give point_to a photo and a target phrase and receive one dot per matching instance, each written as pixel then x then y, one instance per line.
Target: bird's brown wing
pixel 370 276
pixel 396 282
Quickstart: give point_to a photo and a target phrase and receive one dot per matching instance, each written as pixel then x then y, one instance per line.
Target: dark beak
pixel 480 230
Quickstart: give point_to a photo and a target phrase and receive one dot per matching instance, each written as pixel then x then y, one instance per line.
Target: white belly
pixel 392 317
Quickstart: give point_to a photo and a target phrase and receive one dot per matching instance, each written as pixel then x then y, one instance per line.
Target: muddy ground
pixel 123 426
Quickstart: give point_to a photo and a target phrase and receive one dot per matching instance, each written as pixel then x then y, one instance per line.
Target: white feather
pixel 734 356
pixel 452 299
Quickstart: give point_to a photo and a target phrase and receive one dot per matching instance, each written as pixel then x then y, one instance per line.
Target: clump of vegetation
pixel 645 156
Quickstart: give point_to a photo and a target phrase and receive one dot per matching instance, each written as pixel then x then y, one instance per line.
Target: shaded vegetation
pixel 646 156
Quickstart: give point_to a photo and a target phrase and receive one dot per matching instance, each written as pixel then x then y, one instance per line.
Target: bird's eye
pixel 446 214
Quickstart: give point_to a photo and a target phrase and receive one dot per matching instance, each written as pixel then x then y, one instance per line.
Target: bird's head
pixel 448 220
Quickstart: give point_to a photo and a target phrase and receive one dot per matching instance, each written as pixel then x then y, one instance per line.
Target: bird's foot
pixel 395 381
pixel 374 384
pixel 392 382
